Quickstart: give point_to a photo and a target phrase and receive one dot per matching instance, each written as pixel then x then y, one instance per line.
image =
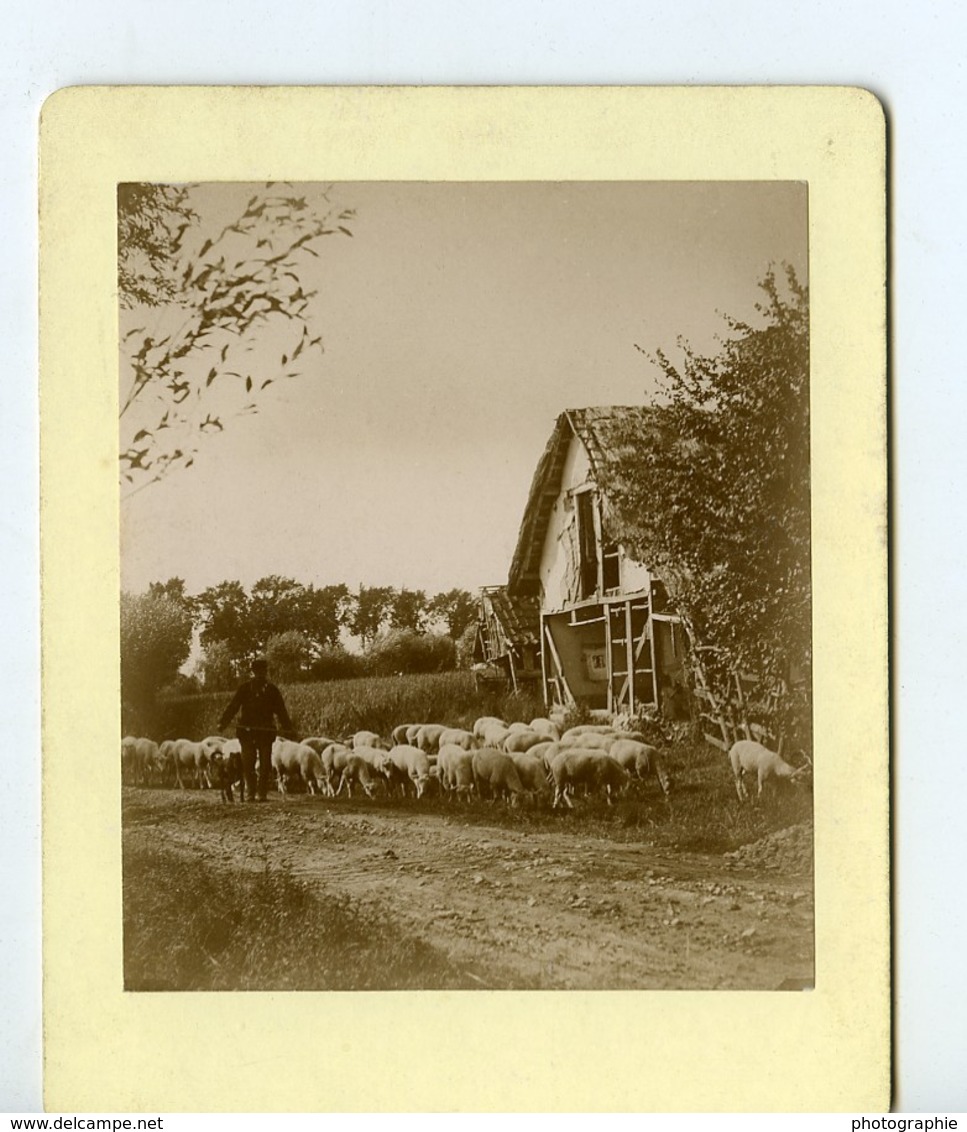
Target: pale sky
pixel 459 321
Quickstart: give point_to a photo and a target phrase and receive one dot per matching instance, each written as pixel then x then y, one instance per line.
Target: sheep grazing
pixel 587 767
pixel 368 739
pixel 295 761
pixel 192 761
pixel 319 743
pixel 588 729
pixel 398 734
pixel 359 770
pixel 533 776
pixel 641 760
pixel 139 760
pixel 546 727
pixel 428 738
pixel 496 771
pixel 457 737
pixel 491 732
pixel 412 766
pixel 747 757
pixel 485 722
pixel 455 770
pixel 417 765
pixel 522 740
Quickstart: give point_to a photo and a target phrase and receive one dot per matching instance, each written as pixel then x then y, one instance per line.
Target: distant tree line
pixel 300 629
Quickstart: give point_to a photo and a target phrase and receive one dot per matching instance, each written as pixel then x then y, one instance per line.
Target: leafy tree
pixel 289 655
pixel 711 488
pixel 408 610
pixel 279 604
pixel 224 616
pixel 325 611
pixel 457 609
pixel 152 221
pixel 155 642
pixel 174 588
pixel 194 307
pixel 369 611
pixel 464 646
pixel 274 606
pixel 216 668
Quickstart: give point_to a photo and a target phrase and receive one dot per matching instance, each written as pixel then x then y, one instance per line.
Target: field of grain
pixel 374 703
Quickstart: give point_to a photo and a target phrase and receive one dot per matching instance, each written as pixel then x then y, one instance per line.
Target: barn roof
pixel 594 427
pixel 519 615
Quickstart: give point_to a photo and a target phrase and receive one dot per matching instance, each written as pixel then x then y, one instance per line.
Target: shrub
pixel 155 642
pixel 576 715
pixel 402 651
pixel 289 655
pixel 334 662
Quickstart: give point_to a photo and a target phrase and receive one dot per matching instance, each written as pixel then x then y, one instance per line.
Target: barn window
pixel 587 544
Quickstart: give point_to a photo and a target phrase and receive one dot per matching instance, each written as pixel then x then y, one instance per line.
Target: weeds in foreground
pixel 191 926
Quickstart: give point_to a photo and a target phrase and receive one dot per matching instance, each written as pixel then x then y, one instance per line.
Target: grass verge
pixel 191 926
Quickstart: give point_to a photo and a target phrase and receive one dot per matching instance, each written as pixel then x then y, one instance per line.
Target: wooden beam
pixel 557 662
pixel 642 640
pixel 543 666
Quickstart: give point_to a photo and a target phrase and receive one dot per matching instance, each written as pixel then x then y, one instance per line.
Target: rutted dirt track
pixel 522 907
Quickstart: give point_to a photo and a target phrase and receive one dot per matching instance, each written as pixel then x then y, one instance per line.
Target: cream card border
pixel 470 1051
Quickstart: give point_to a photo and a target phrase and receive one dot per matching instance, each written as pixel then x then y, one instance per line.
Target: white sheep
pixel 457 737
pixel 748 756
pixel 546 727
pixel 455 767
pixel 486 721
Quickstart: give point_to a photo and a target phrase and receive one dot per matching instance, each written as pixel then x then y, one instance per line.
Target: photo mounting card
pixel 477 280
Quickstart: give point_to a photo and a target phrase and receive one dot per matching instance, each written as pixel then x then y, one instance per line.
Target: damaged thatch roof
pixel 599 431
pixel 519 615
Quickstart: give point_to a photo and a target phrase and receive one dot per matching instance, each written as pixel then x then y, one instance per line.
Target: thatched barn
pixel 608 637
pixel 507 645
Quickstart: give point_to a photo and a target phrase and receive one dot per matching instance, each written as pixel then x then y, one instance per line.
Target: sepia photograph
pixel 464 599
pixel 465 585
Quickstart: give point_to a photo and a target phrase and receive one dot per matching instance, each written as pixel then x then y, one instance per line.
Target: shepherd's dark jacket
pixel 261 705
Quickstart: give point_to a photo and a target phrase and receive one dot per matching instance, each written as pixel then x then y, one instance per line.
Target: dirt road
pixel 519 907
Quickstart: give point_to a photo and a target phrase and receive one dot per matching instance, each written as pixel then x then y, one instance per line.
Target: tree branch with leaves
pixel 711 488
pixel 207 310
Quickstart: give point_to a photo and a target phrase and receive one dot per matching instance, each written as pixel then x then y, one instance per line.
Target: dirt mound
pixel 790 850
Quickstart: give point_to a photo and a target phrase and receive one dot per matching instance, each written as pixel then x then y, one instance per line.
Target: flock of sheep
pixel 495 759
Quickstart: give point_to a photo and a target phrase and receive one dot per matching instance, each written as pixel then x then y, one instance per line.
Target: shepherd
pixel 261 704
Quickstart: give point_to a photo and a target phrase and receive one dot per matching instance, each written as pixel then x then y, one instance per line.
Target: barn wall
pixel 560 558
pixel 573 644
